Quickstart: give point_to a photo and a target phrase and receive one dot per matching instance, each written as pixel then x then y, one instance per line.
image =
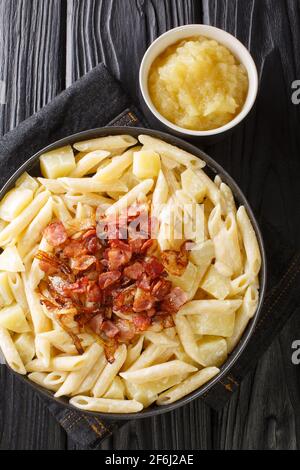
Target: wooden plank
pixel 32 42
pixel 118 33
pixel 25 422
pixel 31 57
pixel 265 412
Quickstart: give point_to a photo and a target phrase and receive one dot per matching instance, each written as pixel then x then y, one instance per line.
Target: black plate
pixel 213 168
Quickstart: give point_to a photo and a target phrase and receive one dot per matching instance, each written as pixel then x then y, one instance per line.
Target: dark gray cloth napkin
pixel 98 100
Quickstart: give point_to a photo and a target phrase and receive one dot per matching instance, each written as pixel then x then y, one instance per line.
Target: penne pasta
pixel 10 352
pixel 212 190
pixel 106 405
pixel 160 194
pixel 40 321
pixel 109 372
pixel 198 307
pixel 10 260
pixel 133 353
pixel 148 357
pixel 16 286
pixel 92 377
pixel 27 181
pixel 229 198
pixel 158 371
pixel 147 393
pixel 243 316
pixel 76 377
pixel 187 338
pixel 117 390
pixel 43 350
pixel 180 156
pixel 114 170
pixel 227 246
pixel 34 231
pixel 60 210
pixel 55 379
pixel 52 185
pixel 39 378
pixel 16 226
pixel 250 242
pixel 112 142
pixel 91 199
pixel 88 185
pixel 142 188
pixel 57 363
pixel 6 294
pixel 187 386
pixel 36 274
pixel 161 339
pixel 88 162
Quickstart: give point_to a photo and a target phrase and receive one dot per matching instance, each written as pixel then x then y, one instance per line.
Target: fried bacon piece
pixel 127 330
pixel 175 262
pixel 161 288
pixel 74 248
pixel 134 271
pixel 78 287
pixel 109 278
pixel 174 300
pixel 96 323
pixel 93 292
pixel 124 299
pixel 56 234
pixel 82 263
pixel 143 300
pixel 49 261
pixel 118 255
pixel 109 328
pixel 144 282
pixel 142 322
pixel 153 268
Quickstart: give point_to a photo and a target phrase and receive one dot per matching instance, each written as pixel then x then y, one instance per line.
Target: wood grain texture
pixel 264 414
pixel 31 62
pixel 47 45
pixel 118 32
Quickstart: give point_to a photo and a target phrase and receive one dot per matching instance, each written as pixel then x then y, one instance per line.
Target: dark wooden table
pixel 45 45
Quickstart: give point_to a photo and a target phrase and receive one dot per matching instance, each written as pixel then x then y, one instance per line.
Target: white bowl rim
pixel 249 64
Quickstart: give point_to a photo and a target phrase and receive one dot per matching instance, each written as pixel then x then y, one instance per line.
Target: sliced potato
pixel 186 281
pixel 213 323
pixel 193 185
pixel 58 163
pixel 212 350
pixel 13 318
pixel 146 164
pixel 216 284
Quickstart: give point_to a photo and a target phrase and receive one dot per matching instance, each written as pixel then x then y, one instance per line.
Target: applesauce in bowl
pixel 198 84
pixel 197 81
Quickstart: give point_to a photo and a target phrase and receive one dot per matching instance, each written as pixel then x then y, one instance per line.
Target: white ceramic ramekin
pixel 224 38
